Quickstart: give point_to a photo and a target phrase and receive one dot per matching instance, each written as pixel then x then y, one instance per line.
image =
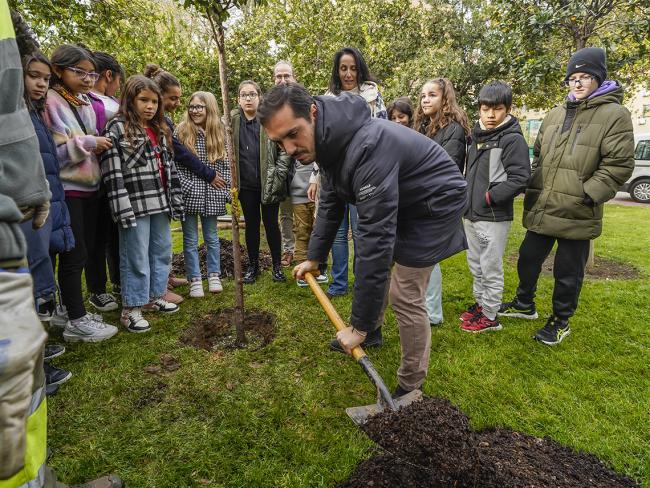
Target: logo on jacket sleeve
pixel 366 192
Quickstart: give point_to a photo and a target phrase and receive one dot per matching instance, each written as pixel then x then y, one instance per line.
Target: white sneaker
pixel 89 328
pixel 302 283
pixel 133 320
pixel 160 305
pixel 322 278
pixel 60 317
pixel 196 288
pixel 214 283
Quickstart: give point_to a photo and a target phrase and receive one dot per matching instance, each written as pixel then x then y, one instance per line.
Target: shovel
pixel 360 415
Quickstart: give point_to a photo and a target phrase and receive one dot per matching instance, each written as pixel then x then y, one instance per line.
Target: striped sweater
pixel 74 146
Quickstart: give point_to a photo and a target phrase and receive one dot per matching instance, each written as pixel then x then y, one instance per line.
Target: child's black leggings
pixel 251 204
pixel 84 213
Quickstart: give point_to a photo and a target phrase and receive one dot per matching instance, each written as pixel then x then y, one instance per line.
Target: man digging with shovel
pixel 410 197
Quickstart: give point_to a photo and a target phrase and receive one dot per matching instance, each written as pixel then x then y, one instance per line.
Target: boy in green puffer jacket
pixel 583 154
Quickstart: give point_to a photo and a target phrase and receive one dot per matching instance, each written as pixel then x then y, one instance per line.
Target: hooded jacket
pixel 409 194
pixel 498 169
pixel 584 152
pixel 274 163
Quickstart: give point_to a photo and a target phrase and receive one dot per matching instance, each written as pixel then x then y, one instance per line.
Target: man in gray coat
pixel 410 198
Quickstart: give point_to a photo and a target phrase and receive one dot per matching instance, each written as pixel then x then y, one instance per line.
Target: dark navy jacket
pixel 185 157
pixel 61 239
pixel 409 194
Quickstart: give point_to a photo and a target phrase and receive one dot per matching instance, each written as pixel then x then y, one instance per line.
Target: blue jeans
pixel 145 259
pixel 339 285
pixel 191 242
pixel 434 296
pixel 38 255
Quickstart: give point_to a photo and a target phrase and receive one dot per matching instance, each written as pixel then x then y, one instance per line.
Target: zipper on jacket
pixel 575 140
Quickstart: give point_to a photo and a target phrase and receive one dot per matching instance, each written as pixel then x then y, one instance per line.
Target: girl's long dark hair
pixel 132 125
pixel 68 55
pixel 363 73
pixel 449 111
pixel 39 57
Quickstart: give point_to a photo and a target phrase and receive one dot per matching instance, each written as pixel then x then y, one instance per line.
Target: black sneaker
pixel 517 309
pixel 53 351
pixel 373 339
pixel 54 375
pixel 104 302
pixel 251 274
pixel 278 274
pixel 553 332
pixel 51 390
pixel 45 308
pixel 117 289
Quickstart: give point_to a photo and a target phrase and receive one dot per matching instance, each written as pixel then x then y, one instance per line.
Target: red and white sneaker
pixel 471 312
pixel 480 323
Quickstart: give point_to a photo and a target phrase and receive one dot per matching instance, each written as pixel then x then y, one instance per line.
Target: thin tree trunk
pixel 238 315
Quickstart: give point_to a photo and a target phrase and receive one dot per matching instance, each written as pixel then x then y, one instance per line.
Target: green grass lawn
pixel 275 417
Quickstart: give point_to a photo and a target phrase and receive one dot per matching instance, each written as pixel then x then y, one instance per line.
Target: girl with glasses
pixel 262 184
pixel 172 92
pixel 202 132
pixel 72 121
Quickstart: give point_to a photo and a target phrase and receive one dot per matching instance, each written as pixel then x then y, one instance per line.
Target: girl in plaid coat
pixel 202 132
pixel 144 192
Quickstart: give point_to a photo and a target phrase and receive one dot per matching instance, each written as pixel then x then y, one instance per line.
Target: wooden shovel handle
pixel 357 352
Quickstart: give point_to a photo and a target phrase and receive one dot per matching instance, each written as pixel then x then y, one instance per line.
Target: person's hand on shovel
pixel 304 267
pixel 349 338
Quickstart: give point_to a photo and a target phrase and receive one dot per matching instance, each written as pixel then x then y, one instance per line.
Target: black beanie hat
pixel 590 60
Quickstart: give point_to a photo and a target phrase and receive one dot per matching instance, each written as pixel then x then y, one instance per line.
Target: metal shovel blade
pixel 360 415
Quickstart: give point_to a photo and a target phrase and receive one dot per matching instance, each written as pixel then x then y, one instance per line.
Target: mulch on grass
pixel 227 261
pixel 603 268
pixel 217 331
pixel 430 444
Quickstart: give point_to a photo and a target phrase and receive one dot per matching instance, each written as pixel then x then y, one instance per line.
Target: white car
pixel 638 186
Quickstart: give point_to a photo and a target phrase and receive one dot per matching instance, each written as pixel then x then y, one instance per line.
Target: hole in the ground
pixel 217 331
pixel 430 444
pixel 603 268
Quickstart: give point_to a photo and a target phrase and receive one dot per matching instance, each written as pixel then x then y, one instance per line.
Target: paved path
pixel 623 198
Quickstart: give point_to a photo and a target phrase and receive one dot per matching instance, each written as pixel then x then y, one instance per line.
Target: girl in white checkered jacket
pixel 202 132
pixel 144 193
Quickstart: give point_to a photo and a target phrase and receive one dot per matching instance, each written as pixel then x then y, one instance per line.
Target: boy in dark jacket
pixel 584 152
pixel 498 169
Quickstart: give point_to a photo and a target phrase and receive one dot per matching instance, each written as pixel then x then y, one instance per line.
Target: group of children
pixel 583 154
pixel 119 171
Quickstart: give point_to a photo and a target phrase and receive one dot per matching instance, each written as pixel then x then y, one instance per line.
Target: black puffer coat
pixel 409 194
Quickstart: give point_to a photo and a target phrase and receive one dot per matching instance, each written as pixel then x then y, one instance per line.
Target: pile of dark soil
pixel 603 268
pixel 227 261
pixel 430 444
pixel 217 331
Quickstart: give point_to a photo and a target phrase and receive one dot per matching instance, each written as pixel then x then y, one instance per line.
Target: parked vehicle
pixel 638 186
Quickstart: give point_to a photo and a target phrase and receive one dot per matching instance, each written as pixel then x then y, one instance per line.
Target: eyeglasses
pixel 583 80
pixel 285 77
pixel 196 108
pixel 251 95
pixel 83 74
